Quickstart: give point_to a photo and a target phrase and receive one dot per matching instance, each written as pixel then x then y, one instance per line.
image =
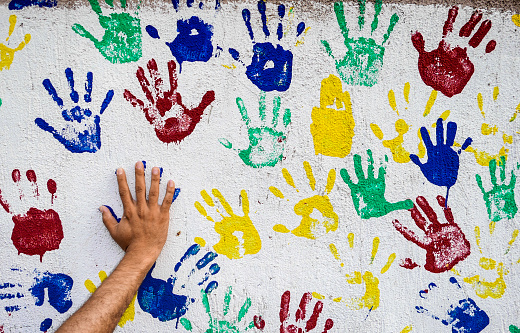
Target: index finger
pixel 124 190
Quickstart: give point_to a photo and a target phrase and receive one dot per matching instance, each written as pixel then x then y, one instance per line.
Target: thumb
pixel 108 219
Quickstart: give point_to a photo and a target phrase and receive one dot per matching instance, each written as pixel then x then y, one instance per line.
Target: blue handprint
pixel 464 316
pixel 271 67
pixel 442 167
pixel 83 132
pixel 193 41
pixel 156 296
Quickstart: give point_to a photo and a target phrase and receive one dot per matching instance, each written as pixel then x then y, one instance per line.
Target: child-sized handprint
pixel 122 39
pixel 368 194
pixel 157 297
pixel 332 129
pixel 464 316
pixel 35 231
pixel 271 67
pixel 220 324
pixel 231 226
pixel 266 144
pixel 364 58
pixel 193 41
pixel 300 324
pixel 129 313
pixel 448 69
pixel 310 227
pixel 445 243
pixel 82 134
pixel 172 120
pixel 6 52
pixel 442 167
pixel 500 200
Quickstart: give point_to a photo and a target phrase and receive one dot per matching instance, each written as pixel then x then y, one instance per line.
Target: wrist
pixel 141 257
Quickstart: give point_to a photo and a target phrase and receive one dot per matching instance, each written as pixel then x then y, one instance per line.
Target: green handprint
pixel 224 326
pixel 266 144
pixel 364 57
pixel 122 40
pixel 500 200
pixel 368 194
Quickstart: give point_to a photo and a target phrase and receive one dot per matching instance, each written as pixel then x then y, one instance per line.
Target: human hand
pixel 144 226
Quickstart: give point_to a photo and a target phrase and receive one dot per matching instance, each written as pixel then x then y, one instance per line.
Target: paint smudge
pixel 311 227
pixel 129 313
pixel 448 69
pixel 190 3
pixel 82 134
pixel 514 329
pixel 332 129
pixel 445 244
pixel 19 4
pixel 300 324
pixel 408 263
pixel 364 59
pixel 7 53
pixel 462 316
pixel 36 231
pixel 156 296
pixel 266 144
pixel 370 300
pixel 271 66
pixel 368 195
pixel 192 43
pixel 442 167
pixel 219 323
pixel 121 42
pixel 232 226
pixel 167 129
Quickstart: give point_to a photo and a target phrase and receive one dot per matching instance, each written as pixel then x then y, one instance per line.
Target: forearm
pixel 104 309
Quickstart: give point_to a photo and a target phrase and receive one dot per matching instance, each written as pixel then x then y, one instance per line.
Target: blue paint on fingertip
pixel 144 164
pixel 211 286
pixel 113 213
pixel 152 31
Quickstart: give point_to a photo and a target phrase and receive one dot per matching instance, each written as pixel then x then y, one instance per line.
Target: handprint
pixel 442 167
pixel 500 200
pixel 77 136
pixel 157 297
pixel 448 69
pixel 266 144
pixel 310 227
pixel 464 316
pixel 19 4
pixel 232 225
pixel 222 325
pixel 368 194
pixel 129 313
pixel 121 42
pixel 445 244
pixel 35 231
pixel 333 129
pixel 180 121
pixel 371 298
pixel 271 67
pixel 193 41
pixel 364 57
pixel 6 52
pixel 300 324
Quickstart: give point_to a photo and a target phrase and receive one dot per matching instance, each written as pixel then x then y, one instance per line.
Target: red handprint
pixel 447 69
pixel 37 231
pixel 300 315
pixel 445 244
pixel 174 127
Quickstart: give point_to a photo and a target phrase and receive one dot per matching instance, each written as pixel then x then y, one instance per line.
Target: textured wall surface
pixel 342 167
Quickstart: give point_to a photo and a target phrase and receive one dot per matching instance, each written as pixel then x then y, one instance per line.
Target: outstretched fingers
pixel 409 234
pixel 168 197
pixel 340 16
pixel 108 220
pixel 358 168
pixel 447 210
pixel 153 195
pixel 450 133
pixel 428 210
pixel 145 84
pixel 172 71
pixel 140 185
pixel 124 192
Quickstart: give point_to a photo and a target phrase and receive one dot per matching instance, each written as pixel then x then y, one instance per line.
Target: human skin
pixel 141 233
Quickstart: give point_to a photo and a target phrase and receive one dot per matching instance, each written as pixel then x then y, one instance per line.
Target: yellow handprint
pixel 370 300
pixel 229 244
pixel 129 312
pixel 333 129
pixel 482 157
pixel 396 145
pixel 7 53
pixel 310 227
pixel 494 289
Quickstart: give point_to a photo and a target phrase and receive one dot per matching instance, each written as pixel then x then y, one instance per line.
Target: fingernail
pixel 170 183
pixel 155 171
pixel 119 171
pixel 102 209
pixel 139 165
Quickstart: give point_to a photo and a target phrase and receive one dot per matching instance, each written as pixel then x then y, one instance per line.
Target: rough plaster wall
pixel 200 162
